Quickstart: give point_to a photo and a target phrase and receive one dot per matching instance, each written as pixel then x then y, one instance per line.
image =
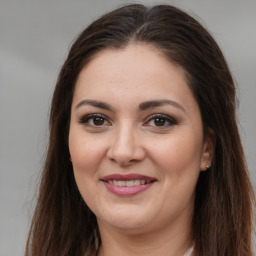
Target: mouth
pixel 128 184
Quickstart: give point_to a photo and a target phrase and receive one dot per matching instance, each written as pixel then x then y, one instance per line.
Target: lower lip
pixel 127 191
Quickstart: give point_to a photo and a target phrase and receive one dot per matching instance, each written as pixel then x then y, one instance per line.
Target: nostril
pixel 125 149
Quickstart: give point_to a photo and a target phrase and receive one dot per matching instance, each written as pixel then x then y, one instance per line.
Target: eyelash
pixel 165 118
pixel 85 120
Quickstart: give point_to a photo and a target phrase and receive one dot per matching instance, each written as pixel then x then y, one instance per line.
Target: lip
pixel 125 177
pixel 127 191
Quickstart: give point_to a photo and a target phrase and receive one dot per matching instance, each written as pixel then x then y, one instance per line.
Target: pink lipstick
pixel 127 184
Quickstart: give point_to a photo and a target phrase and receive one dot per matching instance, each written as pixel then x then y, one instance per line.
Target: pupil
pixel 159 122
pixel 98 121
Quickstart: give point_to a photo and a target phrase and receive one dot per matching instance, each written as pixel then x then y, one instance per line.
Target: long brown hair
pixel 222 224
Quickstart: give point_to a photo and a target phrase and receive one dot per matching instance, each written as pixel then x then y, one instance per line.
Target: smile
pixel 128 184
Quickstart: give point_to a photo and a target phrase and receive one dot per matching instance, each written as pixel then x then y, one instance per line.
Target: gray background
pixel 34 40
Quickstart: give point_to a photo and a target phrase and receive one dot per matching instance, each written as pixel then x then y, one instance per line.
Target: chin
pixel 127 220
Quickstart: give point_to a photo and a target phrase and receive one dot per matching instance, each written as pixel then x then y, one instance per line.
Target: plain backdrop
pixel 34 40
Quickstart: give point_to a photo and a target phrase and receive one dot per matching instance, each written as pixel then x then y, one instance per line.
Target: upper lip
pixel 125 177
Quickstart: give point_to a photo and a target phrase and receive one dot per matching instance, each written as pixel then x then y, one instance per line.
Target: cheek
pixel 86 156
pixel 178 155
pixel 178 163
pixel 86 153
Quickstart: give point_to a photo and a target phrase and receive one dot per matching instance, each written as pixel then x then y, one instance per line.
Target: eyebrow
pixel 158 103
pixel 142 106
pixel 95 103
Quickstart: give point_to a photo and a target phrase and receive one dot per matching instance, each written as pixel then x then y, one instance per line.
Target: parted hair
pixel 222 225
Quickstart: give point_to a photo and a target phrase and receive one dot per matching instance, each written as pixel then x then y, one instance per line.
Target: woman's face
pixel 136 140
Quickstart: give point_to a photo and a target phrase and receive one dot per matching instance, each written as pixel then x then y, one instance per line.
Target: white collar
pixel 189 252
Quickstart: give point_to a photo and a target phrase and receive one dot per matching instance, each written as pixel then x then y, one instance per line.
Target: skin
pixel 127 139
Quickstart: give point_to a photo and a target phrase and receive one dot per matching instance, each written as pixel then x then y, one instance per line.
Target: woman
pixel 144 155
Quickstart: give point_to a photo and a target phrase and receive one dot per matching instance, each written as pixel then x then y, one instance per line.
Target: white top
pixel 189 252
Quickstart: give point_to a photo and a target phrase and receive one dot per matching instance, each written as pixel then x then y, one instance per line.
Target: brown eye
pixel 98 121
pixel 95 120
pixel 159 121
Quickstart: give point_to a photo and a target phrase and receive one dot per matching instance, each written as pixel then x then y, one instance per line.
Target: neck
pixel 174 242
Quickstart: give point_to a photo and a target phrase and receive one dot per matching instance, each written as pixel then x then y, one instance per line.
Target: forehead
pixel 138 72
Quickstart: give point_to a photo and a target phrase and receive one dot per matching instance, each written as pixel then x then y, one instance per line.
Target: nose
pixel 126 147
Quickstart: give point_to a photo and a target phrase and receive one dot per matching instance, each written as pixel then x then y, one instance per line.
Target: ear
pixel 207 150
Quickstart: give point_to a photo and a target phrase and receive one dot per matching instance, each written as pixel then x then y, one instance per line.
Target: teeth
pixel 128 183
pixel 121 183
pixel 136 182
